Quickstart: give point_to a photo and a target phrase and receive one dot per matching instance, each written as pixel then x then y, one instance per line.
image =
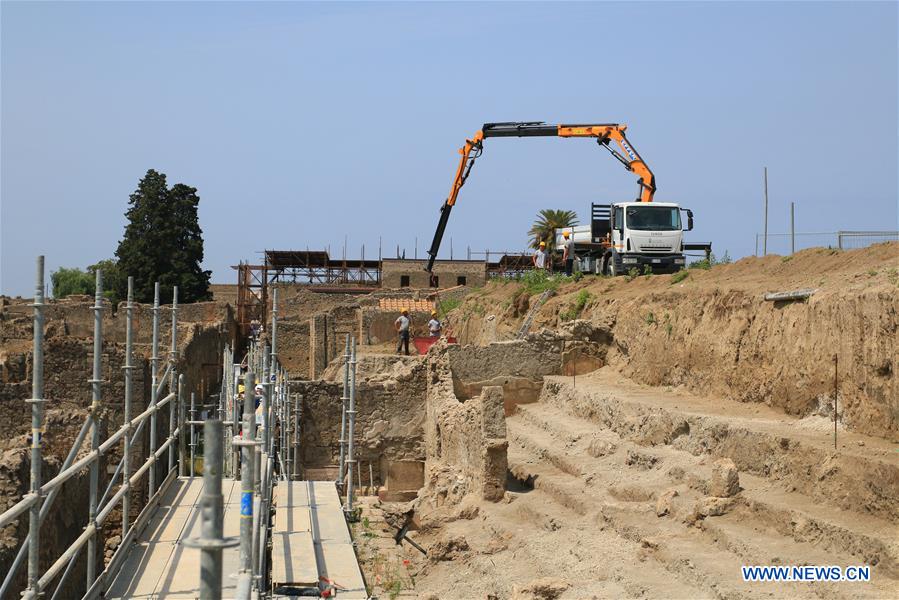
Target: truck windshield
pixel 655 218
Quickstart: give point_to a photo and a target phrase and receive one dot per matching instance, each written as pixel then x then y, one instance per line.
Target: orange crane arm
pixel 603 133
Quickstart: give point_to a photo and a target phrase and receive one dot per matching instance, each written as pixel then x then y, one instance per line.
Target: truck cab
pixel 631 235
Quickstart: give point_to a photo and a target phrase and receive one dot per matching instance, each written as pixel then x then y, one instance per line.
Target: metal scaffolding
pixel 265 430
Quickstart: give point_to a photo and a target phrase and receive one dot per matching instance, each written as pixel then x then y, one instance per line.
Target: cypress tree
pixel 163 242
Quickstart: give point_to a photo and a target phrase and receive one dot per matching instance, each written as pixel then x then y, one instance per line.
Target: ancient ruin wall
pixel 465 440
pixel 389 420
pixel 68 351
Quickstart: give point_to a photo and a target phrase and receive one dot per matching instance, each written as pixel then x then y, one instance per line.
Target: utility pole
pixel 765 241
pixel 792 228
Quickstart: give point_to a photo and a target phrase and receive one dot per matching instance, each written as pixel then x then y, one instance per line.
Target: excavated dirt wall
pixel 714 333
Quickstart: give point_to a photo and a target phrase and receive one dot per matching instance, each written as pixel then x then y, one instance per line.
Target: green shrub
pixel 679 276
pixel 71 281
pixel 448 305
pixel 574 311
pixel 711 261
pixel 650 319
pixel 632 274
pixel 537 281
pixel 647 269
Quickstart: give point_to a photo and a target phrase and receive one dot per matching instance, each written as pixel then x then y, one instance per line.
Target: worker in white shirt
pixel 539 257
pixel 402 324
pixel 568 252
pixel 434 326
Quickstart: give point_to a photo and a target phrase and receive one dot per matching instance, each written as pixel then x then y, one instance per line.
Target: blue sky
pixel 302 123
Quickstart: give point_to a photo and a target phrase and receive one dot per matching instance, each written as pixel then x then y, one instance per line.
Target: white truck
pixel 620 236
pixel 632 235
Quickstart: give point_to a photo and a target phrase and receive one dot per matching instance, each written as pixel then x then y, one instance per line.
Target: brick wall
pixel 447 272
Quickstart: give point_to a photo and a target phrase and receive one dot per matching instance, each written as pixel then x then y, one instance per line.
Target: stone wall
pixel 378 326
pixel 327 336
pixel 465 441
pixel 389 421
pixel 293 347
pixel 68 361
pixel 518 367
pixel 448 273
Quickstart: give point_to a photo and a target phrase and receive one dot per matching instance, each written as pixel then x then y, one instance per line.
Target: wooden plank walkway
pixel 310 537
pixel 159 565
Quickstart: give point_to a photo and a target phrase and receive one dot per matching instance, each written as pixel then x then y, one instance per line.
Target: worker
pixel 402 324
pixel 434 325
pixel 568 252
pixel 259 392
pixel 539 257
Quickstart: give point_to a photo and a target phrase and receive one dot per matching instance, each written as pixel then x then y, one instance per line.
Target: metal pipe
pixel 765 240
pixel 288 423
pixel 836 389
pixel 351 417
pixel 193 415
pixel 274 359
pixel 17 509
pixel 26 503
pixel 129 373
pixel 792 228
pixel 112 481
pixel 235 417
pixel 154 386
pixel 37 418
pixel 212 504
pixel 343 401
pixel 88 459
pixel 266 394
pixel 65 575
pixel 173 361
pixel 296 434
pixel 247 459
pixel 95 433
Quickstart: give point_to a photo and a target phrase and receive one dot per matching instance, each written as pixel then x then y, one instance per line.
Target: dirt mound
pixel 712 331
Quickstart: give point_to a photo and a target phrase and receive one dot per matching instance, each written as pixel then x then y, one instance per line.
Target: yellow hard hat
pixel 405 311
pixel 542 243
pixel 565 233
pixel 433 313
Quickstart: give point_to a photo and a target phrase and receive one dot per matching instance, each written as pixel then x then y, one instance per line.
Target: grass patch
pixel 679 276
pixel 784 259
pixel 707 263
pixel 537 281
pixel 650 319
pixel 632 274
pixel 872 272
pixel 574 311
pixel 448 305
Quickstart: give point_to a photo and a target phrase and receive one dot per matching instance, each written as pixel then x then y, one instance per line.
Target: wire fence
pixel 786 243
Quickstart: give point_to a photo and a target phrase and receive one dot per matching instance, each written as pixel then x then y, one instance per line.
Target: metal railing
pixel 41 496
pixel 787 243
pixel 264 457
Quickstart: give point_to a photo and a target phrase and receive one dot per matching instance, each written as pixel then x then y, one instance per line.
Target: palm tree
pixel 548 221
